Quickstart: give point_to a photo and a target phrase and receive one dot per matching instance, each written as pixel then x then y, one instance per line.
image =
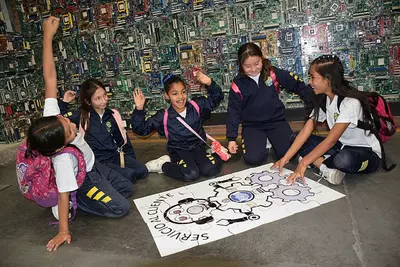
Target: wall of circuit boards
pixel 134 43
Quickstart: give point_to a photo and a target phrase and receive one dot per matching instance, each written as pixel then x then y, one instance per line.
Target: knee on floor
pixel 253 159
pixel 191 175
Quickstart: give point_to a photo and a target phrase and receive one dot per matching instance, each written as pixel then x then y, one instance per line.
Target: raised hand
pixel 50 26
pixel 139 98
pixel 69 96
pixel 202 78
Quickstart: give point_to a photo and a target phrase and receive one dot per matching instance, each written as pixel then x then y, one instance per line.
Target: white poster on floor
pixel 200 213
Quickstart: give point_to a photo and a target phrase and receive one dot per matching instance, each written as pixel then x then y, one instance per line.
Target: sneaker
pixel 333 176
pixel 156 164
pixel 55 211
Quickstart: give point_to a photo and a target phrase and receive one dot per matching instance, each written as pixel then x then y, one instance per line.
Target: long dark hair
pixel 86 91
pixel 331 68
pixel 170 79
pixel 46 135
pixel 252 50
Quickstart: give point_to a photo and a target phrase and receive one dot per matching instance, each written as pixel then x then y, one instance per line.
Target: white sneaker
pixel 333 176
pixel 55 211
pixel 156 164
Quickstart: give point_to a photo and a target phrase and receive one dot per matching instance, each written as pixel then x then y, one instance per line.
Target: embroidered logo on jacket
pixel 108 125
pixel 269 81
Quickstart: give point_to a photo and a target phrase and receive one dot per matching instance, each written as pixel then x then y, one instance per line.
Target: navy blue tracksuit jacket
pixel 179 137
pixel 261 105
pixel 103 136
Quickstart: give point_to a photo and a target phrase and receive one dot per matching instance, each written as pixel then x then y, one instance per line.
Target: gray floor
pixel 362 229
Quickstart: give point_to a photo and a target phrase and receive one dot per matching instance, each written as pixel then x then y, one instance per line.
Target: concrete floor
pixel 362 229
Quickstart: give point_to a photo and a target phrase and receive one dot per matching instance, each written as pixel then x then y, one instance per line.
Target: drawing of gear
pixel 265 178
pixel 241 197
pixel 292 193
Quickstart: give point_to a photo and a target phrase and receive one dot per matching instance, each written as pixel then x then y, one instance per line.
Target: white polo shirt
pixel 66 165
pixel 350 112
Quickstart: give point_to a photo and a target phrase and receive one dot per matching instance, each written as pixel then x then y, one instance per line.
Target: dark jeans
pixel 350 159
pixel 133 168
pixel 254 141
pixel 188 165
pixel 104 192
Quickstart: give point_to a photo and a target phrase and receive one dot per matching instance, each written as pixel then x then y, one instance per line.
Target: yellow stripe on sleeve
pixel 106 199
pixel 99 195
pixel 92 191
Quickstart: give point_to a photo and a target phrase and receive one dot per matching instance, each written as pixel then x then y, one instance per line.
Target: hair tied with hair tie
pixel 167 77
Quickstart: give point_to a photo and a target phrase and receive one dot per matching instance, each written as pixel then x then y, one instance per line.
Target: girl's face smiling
pixel 252 65
pixel 178 96
pixel 319 84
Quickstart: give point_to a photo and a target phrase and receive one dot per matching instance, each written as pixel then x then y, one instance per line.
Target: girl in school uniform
pixel 99 125
pixel 103 191
pixel 254 101
pixel 346 149
pixel 187 158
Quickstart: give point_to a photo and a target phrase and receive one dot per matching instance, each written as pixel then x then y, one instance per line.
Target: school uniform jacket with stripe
pixel 259 104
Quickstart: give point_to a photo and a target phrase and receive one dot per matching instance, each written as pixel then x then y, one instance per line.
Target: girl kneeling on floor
pixel 187 158
pixel 347 148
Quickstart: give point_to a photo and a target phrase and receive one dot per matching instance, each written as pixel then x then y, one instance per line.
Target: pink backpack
pixel 383 118
pixel 36 177
pixel 385 126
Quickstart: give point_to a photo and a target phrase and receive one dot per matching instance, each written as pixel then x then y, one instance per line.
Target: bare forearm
pixel 63 211
pixel 49 69
pixel 332 138
pixel 318 152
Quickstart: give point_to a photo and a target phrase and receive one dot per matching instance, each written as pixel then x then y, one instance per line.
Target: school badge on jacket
pixel 269 81
pixel 108 125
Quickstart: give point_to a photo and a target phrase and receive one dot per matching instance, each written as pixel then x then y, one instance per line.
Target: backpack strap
pixel 236 89
pixel 80 176
pixel 274 80
pixel 339 101
pixel 165 121
pixel 120 124
pixel 196 106
pixel 71 149
pixel 117 118
pixel 384 162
